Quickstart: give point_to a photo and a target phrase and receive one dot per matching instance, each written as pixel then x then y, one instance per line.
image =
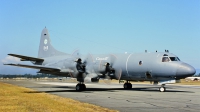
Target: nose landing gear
pixel 162 88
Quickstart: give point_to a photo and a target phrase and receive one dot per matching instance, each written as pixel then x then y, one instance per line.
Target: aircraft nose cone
pixel 185 70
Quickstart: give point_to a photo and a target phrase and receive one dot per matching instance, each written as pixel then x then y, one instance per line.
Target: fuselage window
pixel 140 62
pixel 165 59
pixel 174 58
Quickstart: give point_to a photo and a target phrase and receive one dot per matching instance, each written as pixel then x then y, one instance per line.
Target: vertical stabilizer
pixel 45 48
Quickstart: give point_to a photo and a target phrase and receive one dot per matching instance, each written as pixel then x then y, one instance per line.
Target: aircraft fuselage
pixel 129 66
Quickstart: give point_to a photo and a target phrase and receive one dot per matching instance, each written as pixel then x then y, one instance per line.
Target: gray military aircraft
pixel 157 67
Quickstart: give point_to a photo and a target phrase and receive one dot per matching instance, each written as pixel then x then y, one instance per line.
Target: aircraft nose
pixel 185 70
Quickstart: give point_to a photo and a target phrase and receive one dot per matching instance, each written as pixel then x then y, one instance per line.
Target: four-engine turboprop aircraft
pixel 158 67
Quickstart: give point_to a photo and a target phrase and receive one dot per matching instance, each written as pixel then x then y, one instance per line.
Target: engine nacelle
pixel 96 79
pixel 89 79
pixel 92 77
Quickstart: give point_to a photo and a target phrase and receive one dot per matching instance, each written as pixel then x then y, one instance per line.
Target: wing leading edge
pixel 28 58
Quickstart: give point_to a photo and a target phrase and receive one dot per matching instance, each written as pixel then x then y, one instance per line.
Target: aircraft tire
pixel 78 87
pixel 83 87
pixel 162 89
pixel 129 86
pixel 125 85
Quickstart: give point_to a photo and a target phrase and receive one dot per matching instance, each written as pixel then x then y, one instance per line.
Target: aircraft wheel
pixel 78 87
pixel 125 85
pixel 162 89
pixel 129 86
pixel 83 87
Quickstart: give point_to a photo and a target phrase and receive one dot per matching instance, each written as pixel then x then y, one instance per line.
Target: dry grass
pixel 189 82
pixel 19 99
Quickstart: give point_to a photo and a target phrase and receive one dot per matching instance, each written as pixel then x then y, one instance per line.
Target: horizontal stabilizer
pixel 27 58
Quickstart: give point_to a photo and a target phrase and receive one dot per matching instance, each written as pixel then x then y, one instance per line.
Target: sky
pixel 100 26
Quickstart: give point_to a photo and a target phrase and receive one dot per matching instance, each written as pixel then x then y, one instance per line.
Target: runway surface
pixel 142 98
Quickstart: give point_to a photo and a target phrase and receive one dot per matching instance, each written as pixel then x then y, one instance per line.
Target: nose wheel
pixel 162 88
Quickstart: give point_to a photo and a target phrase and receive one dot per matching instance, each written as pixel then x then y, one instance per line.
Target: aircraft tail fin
pixel 45 47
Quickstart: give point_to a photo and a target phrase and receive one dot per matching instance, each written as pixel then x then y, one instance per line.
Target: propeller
pixel 81 65
pixel 109 71
pixel 84 68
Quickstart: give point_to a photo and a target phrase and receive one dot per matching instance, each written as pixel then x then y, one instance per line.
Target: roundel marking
pixel 45 41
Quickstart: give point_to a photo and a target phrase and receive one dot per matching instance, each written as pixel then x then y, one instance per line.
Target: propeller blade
pixel 88 59
pixel 113 58
pixel 76 54
pixel 107 80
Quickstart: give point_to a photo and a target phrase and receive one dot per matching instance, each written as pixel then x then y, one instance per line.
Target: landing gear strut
pixel 162 88
pixel 80 87
pixel 127 85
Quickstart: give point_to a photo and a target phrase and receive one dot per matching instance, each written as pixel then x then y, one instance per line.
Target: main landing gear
pixel 80 87
pixel 127 85
pixel 162 88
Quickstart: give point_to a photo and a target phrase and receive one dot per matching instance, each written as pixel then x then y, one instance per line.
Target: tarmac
pixel 141 98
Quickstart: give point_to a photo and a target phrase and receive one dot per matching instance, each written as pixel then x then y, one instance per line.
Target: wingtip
pixel 10 54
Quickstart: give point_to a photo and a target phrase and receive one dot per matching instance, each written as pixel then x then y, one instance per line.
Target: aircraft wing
pixel 42 68
pixel 27 58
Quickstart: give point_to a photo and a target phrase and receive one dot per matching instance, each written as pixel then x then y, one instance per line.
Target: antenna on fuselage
pixel 167 51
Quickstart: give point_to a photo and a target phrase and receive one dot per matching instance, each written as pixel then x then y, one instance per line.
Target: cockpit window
pixel 174 58
pixel 165 59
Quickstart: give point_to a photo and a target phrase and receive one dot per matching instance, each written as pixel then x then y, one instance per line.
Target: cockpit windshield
pixel 165 59
pixel 174 58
